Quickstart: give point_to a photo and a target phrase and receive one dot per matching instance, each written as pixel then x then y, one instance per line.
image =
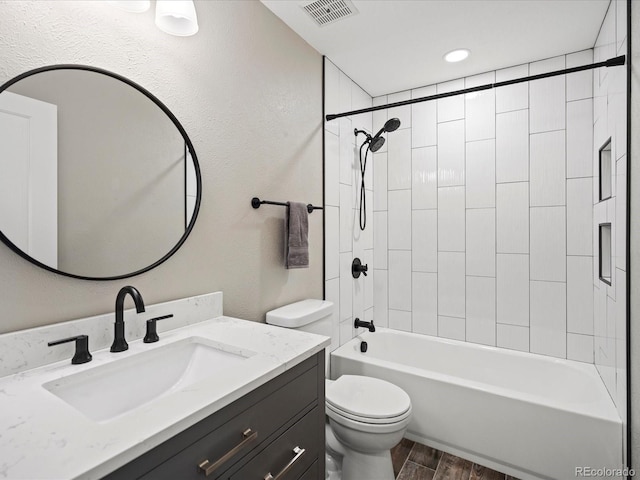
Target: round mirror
pixel 98 178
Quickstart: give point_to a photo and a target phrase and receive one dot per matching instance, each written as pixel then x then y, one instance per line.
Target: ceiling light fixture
pixel 133 6
pixel 457 55
pixel 177 17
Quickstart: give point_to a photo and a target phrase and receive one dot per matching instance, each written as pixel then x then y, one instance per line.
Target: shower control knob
pixel 358 268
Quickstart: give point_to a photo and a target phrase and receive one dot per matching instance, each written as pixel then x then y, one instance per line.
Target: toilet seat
pixel 367 400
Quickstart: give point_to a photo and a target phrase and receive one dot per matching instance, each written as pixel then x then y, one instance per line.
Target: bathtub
pixel 531 416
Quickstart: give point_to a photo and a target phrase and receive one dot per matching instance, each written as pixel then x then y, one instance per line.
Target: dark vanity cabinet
pixel 275 432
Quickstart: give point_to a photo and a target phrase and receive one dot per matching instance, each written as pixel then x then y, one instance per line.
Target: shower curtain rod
pixel 612 62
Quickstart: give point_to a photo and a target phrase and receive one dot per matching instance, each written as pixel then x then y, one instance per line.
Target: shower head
pixel 377 141
pixel 376 144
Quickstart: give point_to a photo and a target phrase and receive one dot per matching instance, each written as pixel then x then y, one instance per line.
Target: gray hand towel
pixel 297 236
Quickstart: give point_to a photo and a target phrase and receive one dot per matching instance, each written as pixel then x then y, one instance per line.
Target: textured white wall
pixel 248 91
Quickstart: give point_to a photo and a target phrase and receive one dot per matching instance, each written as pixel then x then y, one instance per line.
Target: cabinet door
pixel 289 456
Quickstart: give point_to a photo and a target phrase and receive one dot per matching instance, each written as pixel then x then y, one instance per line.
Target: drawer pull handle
pixel 208 468
pixel 299 452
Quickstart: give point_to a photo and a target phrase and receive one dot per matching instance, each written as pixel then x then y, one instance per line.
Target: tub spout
pixel 369 325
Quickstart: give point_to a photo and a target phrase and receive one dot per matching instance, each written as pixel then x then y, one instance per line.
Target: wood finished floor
pixel 414 461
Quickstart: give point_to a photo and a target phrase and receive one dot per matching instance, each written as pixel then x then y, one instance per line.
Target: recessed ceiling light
pixel 457 55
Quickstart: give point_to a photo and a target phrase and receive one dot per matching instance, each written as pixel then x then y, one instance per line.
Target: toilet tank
pixel 309 315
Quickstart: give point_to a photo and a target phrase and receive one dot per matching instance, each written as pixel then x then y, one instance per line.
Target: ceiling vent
pixel 325 12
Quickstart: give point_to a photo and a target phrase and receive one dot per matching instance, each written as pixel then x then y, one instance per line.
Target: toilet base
pixel 344 463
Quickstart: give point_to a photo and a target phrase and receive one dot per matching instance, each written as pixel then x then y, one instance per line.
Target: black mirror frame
pixel 180 128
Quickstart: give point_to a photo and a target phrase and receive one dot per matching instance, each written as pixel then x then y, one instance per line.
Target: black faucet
pixel 369 325
pixel 119 342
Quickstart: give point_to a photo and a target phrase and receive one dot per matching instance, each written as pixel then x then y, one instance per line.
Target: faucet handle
pixel 152 335
pixel 82 354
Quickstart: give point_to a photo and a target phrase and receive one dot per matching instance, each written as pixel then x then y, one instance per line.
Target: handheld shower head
pixel 391 125
pixel 376 144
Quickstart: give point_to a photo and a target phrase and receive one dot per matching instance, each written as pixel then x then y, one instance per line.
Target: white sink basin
pixel 122 385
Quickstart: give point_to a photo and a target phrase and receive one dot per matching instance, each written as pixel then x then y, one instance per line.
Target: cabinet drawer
pixel 312 473
pixel 289 456
pixel 230 442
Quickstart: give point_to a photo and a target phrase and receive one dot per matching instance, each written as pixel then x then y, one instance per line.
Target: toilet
pixel 367 416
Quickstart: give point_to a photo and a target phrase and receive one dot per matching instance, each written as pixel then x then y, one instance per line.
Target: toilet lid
pixel 367 397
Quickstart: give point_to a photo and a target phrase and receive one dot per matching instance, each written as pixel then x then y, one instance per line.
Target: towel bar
pixel 256 202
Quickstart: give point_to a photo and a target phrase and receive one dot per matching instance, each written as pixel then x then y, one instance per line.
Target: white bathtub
pixel 527 415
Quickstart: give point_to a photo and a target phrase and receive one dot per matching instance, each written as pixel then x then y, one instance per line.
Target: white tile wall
pixel 547 97
pixel 400 280
pixel 451 284
pixel 424 240
pixel 425 303
pixel 332 243
pixel 548 318
pixel 512 146
pixel 579 216
pixel 481 310
pixel 579 295
pixel 450 108
pixel 399 159
pixel 481 242
pixel 548 244
pixel 579 84
pixel 451 327
pixel 380 245
pixel 512 217
pixel 381 297
pixel 480 114
pixel 481 174
pixel 580 347
pixel 424 117
pixel 399 219
pixel 424 178
pixel 451 151
pixel 451 219
pixel 379 168
pixel 402 113
pixel 513 290
pixel 332 170
pixel 547 169
pixel 513 337
pixel 400 320
pixel 579 137
pixel 512 97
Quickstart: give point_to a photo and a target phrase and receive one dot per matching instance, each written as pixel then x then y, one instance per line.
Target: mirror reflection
pixel 97 179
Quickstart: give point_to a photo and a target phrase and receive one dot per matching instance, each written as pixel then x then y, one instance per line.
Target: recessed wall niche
pixel 605 170
pixel 605 253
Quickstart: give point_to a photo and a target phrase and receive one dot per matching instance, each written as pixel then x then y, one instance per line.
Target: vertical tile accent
pixel 548 318
pixel 548 244
pixel 481 310
pixel 481 174
pixel 579 295
pixel 512 217
pixel 424 119
pixel 400 280
pixel 513 290
pixel 399 219
pixel 425 303
pixel 547 169
pixel 512 146
pixel 451 219
pixel 424 178
pixel 579 216
pixel 451 148
pixel 481 242
pixel 451 284
pixel 399 159
pixel 424 240
pixel 547 96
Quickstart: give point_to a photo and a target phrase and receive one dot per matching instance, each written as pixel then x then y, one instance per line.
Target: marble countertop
pixel 42 437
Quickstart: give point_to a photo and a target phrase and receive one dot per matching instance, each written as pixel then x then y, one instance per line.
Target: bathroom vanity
pixel 216 397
